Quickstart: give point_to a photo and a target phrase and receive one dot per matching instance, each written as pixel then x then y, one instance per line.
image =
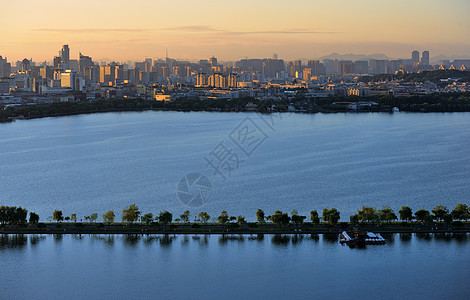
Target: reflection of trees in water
pixel 107 239
pixel 330 238
pixel 185 240
pixel 77 237
pixel 315 237
pixel 202 240
pixel 297 239
pixel 405 237
pixel 258 237
pixel 166 240
pixel 423 236
pixel 131 239
pixel 35 239
pixel 9 241
pixel 446 237
pixel 389 237
pixel 224 238
pixel 280 239
pixel 58 238
pixel 461 237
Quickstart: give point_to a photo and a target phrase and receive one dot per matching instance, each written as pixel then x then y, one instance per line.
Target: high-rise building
pixel 361 67
pixel 201 79
pixel 415 57
pixel 5 67
pixel 213 61
pixel 379 66
pixel 65 55
pixel 425 58
pixel 345 67
pixel 317 67
pixel 83 63
pixel 273 67
pixel 72 80
pixel 25 65
pixel 107 73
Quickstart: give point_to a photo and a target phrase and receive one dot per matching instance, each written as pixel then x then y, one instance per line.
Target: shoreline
pixel 224 231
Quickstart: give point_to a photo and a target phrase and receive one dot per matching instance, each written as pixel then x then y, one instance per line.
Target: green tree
pixel 296 218
pixel 331 216
pixel 422 215
pixel 20 215
pixel 147 218
pixel 94 217
pixel 387 214
pixel 33 218
pixel 314 217
pixel 460 212
pixel 223 218
pixel 439 212
pixel 109 217
pixel 73 217
pixel 280 218
pixel 204 216
pixel 354 219
pixel 241 220
pixel 165 217
pixel 130 214
pixel 57 215
pixel 67 219
pixel 368 214
pixel 185 216
pixel 405 213
pixel 260 216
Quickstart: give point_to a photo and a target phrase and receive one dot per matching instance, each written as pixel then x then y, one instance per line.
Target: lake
pixel 99 162
pixel 409 266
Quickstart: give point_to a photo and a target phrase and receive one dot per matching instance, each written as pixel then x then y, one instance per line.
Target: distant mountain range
pixel 355 57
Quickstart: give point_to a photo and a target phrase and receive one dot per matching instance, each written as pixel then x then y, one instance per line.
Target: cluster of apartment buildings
pixel 67 79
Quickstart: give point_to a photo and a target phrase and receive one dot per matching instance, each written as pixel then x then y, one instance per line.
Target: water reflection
pixel 131 240
pixel 224 238
pixel 13 241
pixel 405 237
pixel 315 237
pixel 202 240
pixel 331 238
pixel 297 239
pixel 259 237
pixel 280 239
pixel 389 237
pixel 461 237
pixel 424 236
pixel 58 238
pixel 35 239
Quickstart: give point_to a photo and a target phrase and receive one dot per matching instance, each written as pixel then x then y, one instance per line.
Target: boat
pixel 361 238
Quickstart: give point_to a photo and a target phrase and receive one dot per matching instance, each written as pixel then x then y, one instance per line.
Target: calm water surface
pixel 232 267
pixel 95 163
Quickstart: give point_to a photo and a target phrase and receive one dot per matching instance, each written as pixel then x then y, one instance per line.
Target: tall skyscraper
pixel 65 55
pixel 84 63
pixel 213 61
pixel 425 58
pixel 415 57
pixel 5 67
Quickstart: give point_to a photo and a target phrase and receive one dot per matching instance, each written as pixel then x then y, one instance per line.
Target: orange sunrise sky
pixel 230 30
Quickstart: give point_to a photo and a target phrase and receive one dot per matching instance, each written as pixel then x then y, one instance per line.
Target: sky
pixel 230 30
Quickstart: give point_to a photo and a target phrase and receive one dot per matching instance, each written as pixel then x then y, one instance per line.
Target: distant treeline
pixel 432 76
pixel 438 102
pixel 367 215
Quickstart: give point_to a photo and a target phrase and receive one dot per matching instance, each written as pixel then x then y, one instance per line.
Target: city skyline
pixel 193 31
